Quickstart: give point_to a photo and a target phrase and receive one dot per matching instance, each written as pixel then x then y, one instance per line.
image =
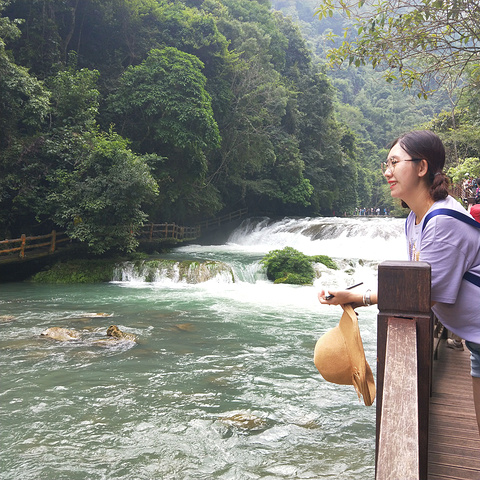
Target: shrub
pixel 293 267
pixel 327 261
pixel 281 264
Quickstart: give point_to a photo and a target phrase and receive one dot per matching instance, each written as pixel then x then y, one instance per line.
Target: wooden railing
pixel 229 217
pixel 46 244
pixel 459 191
pixel 170 231
pixel 42 244
pixel 404 370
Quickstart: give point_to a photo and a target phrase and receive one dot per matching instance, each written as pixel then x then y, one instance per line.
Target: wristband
pixel 366 298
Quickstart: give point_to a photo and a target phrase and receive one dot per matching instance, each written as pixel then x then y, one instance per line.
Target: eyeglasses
pixel 391 163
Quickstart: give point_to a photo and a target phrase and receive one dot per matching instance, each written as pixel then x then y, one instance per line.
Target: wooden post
pixel 22 245
pixel 398 447
pixel 404 291
pixel 53 242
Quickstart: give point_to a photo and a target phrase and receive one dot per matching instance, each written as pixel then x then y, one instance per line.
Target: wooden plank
pixel 398 453
pixel 404 291
pixel 454 442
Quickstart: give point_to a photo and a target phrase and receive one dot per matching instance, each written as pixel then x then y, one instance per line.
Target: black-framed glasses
pixel 391 162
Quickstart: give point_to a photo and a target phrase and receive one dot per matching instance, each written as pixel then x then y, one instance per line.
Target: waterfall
pixel 172 271
pixel 358 237
pixel 356 244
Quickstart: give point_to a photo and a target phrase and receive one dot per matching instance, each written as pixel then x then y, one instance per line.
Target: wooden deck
pixel 454 442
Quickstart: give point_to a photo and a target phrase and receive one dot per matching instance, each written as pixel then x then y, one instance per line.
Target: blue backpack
pixel 470 277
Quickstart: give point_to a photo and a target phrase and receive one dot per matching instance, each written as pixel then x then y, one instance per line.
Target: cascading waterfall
pixel 357 244
pixel 167 270
pixel 358 237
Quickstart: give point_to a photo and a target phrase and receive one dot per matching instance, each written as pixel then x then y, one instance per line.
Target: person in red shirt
pixel 475 209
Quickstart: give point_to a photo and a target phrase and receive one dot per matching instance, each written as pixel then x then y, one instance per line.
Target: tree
pixel 75 97
pixel 251 124
pixel 162 106
pixel 423 43
pixel 64 173
pixel 100 201
pixel 23 98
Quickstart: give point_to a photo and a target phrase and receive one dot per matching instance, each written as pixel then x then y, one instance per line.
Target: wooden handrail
pixel 404 369
pixel 24 243
pixel 160 231
pixel 229 217
pixel 151 231
pixel 398 448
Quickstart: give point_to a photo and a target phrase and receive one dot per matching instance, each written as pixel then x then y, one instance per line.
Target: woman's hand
pixel 341 297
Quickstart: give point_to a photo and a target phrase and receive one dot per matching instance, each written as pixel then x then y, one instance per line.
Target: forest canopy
pixel 121 112
pixel 118 112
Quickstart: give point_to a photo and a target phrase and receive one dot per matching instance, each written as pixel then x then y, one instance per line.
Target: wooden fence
pixel 168 231
pixel 30 247
pixel 229 217
pixel 404 370
pixel 24 247
pixel 172 231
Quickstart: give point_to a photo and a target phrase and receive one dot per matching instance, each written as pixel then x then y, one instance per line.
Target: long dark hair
pixel 427 145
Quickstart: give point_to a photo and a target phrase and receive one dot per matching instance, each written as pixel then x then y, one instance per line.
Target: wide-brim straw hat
pixel 340 358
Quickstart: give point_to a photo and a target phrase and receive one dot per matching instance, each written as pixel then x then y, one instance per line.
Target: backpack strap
pixel 451 213
pixel 468 276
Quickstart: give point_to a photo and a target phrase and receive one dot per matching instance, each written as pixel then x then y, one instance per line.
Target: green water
pixel 165 407
pixel 221 384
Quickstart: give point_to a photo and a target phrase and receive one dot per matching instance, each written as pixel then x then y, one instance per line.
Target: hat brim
pixel 340 358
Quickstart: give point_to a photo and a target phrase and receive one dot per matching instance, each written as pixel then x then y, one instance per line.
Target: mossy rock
pixel 77 271
pixel 189 271
pixel 294 279
pixel 293 267
pixel 326 260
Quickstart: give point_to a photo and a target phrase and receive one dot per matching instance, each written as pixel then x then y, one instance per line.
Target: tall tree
pixel 162 106
pixel 420 42
pixel 23 98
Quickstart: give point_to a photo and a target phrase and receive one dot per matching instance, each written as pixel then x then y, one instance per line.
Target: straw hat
pixel 340 358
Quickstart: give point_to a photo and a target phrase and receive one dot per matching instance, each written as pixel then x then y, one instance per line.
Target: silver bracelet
pixel 366 298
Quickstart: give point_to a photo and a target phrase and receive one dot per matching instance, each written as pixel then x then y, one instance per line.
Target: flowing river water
pixel 221 383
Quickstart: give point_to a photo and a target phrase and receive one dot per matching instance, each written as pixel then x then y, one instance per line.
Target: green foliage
pixel 372 110
pixel 100 201
pixel 75 98
pixel 291 266
pixel 23 99
pixel 77 271
pixel 294 279
pixel 223 104
pixel 460 132
pixel 470 167
pixel 325 260
pixel 423 43
pixel 162 105
pixel 282 264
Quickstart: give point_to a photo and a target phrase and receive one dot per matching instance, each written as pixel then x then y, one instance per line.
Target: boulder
pixel 60 334
pixel 114 332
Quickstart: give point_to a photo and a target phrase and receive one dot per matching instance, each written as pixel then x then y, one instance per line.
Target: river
pixel 221 383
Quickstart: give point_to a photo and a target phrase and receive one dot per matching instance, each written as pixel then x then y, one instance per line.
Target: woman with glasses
pixel 451 245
